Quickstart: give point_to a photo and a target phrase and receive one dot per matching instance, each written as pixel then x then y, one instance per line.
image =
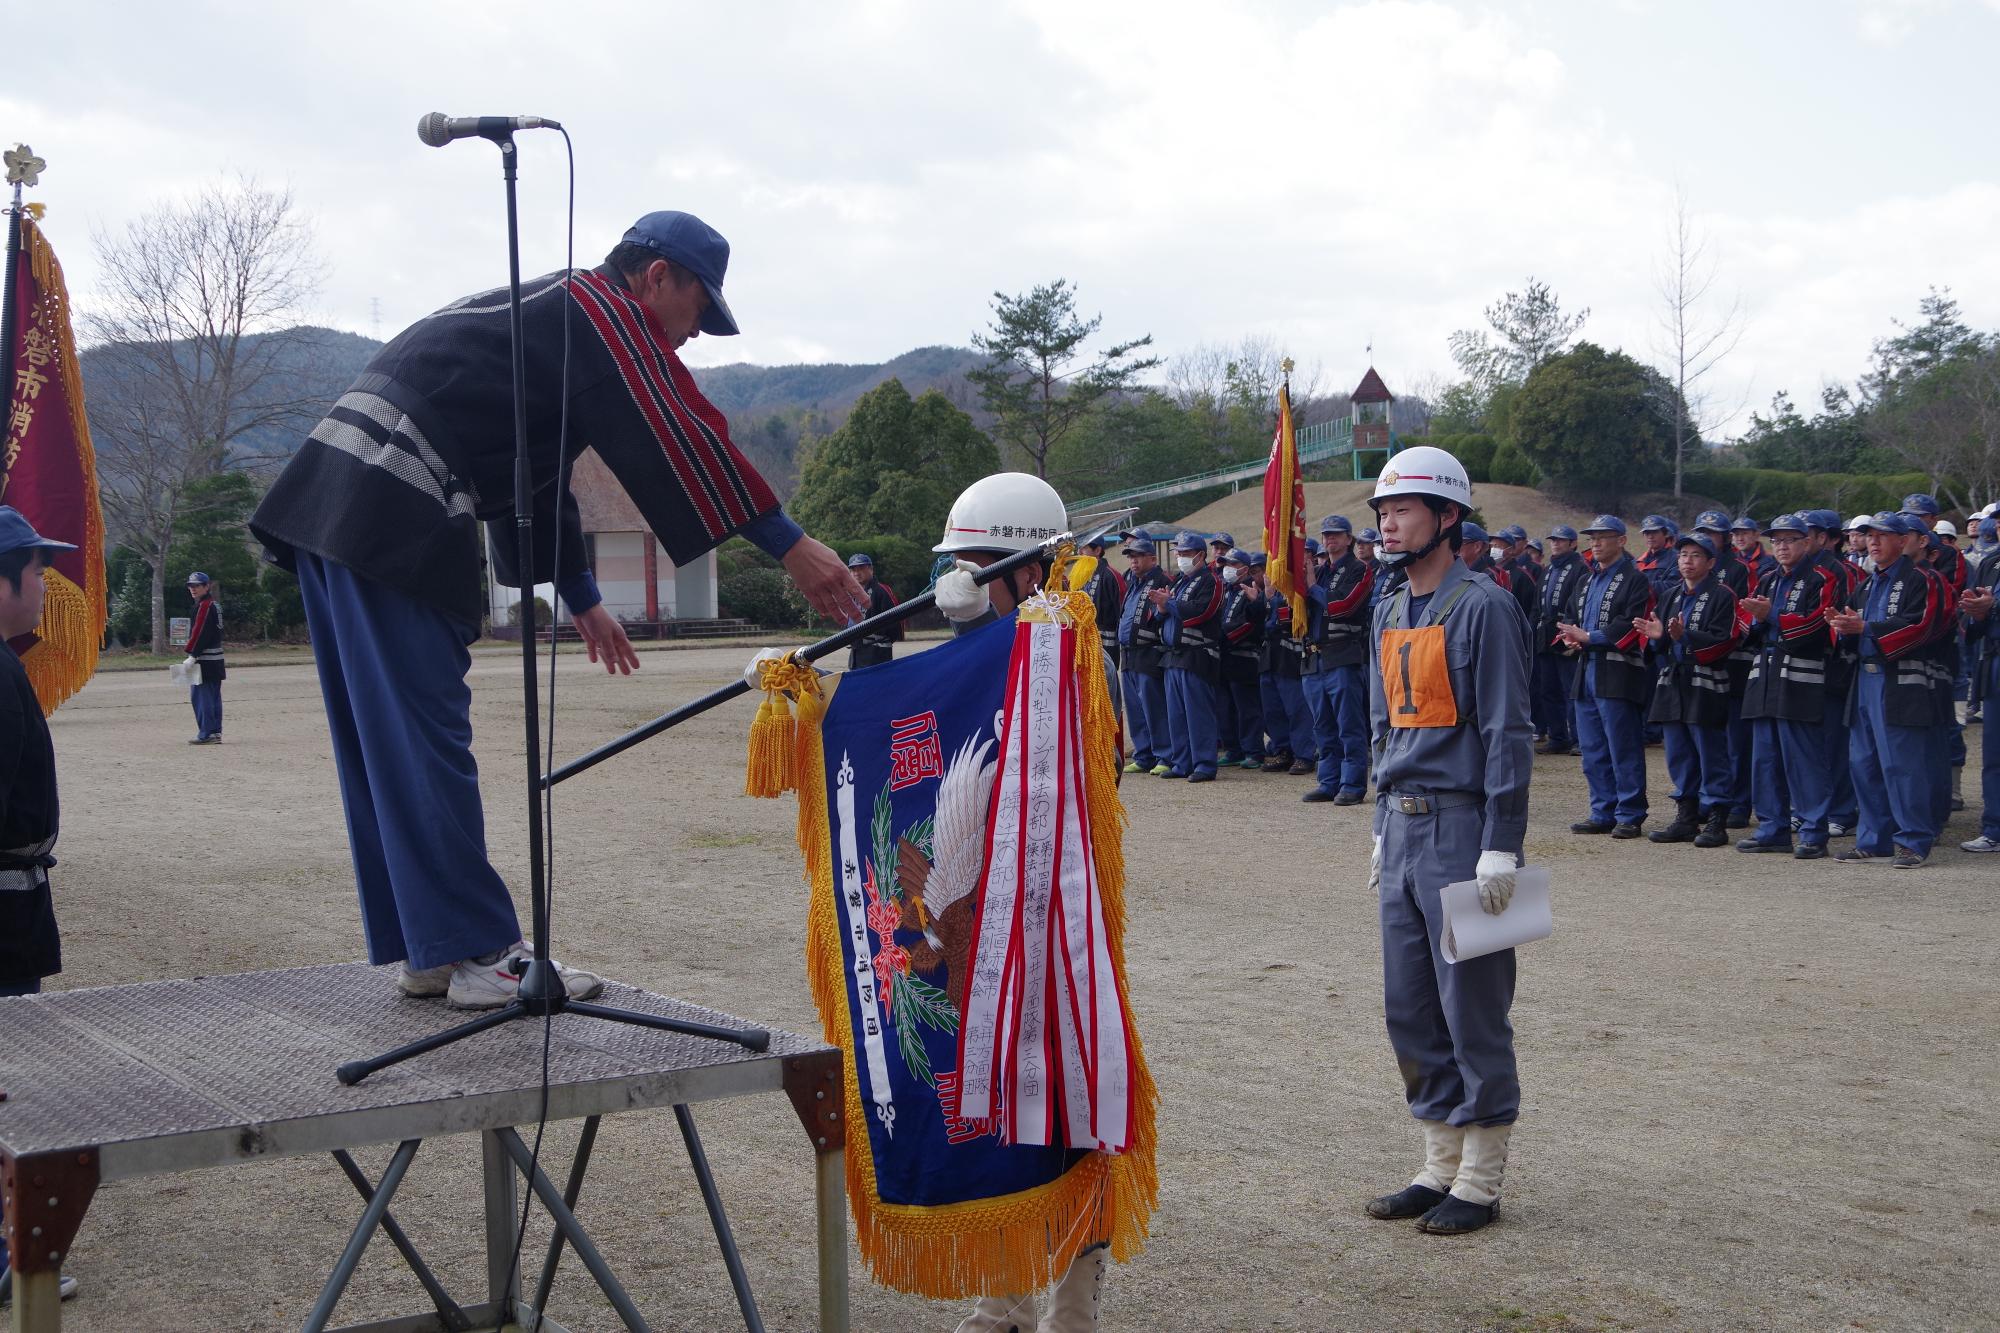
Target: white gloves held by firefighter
pixel 958 597
pixel 1375 867
pixel 1495 874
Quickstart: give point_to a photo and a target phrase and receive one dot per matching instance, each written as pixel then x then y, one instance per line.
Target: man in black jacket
pixel 1555 661
pixel 204 651
pixel 1693 632
pixel 1139 661
pixel 1612 682
pixel 880 646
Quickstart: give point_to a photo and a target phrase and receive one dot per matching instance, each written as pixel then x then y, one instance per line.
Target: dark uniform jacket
pixel 1904 608
pixel 1139 624
pixel 393 482
pixel 1693 684
pixel 1846 651
pixel 1242 635
pixel 1790 647
pixel 204 643
pixel 880 646
pixel 1193 628
pixel 1560 586
pixel 1608 601
pixel 1337 608
pixel 1283 653
pixel 29 946
pixel 1106 589
pixel 1524 580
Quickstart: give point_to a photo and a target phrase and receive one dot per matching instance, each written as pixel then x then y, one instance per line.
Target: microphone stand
pixel 541 993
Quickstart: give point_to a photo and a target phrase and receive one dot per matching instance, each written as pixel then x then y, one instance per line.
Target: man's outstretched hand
pixel 604 639
pixel 824 580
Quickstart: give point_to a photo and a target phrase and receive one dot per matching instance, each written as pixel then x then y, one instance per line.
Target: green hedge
pixel 1510 467
pixel 1768 492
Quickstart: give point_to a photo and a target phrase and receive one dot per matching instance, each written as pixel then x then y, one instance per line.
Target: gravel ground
pixel 1758 1092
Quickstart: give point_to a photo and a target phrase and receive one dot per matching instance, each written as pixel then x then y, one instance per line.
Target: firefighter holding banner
pixel 1448 695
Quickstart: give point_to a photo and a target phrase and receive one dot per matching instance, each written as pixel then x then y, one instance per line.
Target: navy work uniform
pixel 1239 703
pixel 1785 702
pixel 1337 607
pixel 1842 665
pixel 880 646
pixel 204 645
pixel 1287 717
pixel 1663 573
pixel 1448 696
pixel 1893 712
pixel 1691 700
pixel 1106 589
pixel 1735 575
pixel 1554 664
pixel 1610 689
pixel 1983 635
pixel 1189 628
pixel 1140 667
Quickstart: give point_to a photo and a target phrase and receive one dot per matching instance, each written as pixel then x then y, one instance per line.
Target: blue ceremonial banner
pixel 895 781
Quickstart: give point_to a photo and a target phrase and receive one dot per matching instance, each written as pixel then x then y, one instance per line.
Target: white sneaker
pixel 488 985
pixel 1982 843
pixel 424 983
pixel 1001 1314
pixel 1839 831
pixel 65 1288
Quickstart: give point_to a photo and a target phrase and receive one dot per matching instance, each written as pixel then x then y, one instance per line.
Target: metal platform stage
pixel 126 1081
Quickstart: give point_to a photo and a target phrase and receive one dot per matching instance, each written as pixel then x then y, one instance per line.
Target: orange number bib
pixel 1415 678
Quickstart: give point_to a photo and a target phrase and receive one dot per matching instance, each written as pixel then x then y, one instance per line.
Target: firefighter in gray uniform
pixel 1448 698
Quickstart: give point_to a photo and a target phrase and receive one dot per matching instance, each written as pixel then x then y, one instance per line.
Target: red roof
pixel 1372 389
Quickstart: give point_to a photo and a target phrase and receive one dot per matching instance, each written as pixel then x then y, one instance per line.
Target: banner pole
pixel 9 313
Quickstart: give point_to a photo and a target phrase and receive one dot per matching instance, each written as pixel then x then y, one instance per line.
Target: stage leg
pixel 571 1192
pixel 717 1218
pixel 830 1203
pixel 364 1231
pixel 38 1302
pixel 579 1239
pixel 503 1215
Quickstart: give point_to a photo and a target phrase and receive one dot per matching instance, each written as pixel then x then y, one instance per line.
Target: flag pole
pixel 8 314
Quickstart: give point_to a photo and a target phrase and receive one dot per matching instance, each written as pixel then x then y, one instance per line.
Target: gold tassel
pixel 66 656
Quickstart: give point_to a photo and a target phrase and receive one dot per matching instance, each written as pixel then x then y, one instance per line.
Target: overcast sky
pixel 1324 174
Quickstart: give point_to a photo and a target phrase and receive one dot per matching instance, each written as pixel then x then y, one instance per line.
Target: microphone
pixel 437 129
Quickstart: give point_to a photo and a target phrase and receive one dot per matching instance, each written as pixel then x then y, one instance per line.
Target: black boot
pixel 1687 822
pixel 1409 1201
pixel 1716 832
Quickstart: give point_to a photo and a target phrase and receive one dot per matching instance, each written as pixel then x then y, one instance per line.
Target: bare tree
pixel 1696 331
pixel 1418 404
pixel 198 344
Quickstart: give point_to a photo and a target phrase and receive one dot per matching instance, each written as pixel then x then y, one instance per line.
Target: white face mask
pixel 1498 553
pixel 1184 563
pixel 1231 573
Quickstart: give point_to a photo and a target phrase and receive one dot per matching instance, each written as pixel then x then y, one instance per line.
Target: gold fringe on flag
pixel 1024 1241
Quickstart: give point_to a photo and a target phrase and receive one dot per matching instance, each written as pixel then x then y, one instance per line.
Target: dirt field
pixel 1759 1093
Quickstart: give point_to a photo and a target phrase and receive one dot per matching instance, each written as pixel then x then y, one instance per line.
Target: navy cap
pixel 1189 541
pixel 1236 555
pixel 197 580
pixel 1607 523
pixel 1989 528
pixel 1920 503
pixel 1472 532
pixel 1888 521
pixel 1534 543
pixel 857 560
pixel 1745 523
pixel 1657 523
pixel 1312 546
pixel 1222 539
pixel 1562 532
pixel 696 247
pixel 1098 539
pixel 1369 535
pixel 1138 546
pixel 1259 559
pixel 1699 540
pixel 17 534
pixel 1335 523
pixel 1823 519
pixel 1793 523
pixel 1712 520
pixel 1514 532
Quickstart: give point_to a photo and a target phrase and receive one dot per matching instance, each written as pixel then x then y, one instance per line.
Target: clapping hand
pixel 1677 628
pixel 1649 626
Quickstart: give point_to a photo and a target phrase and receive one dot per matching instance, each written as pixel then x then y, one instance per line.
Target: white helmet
pixel 1857 523
pixel 1423 470
pixel 1945 528
pixel 1008 511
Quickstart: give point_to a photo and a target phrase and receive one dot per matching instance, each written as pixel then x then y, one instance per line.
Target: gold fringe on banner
pixel 72 627
pixel 1020 1242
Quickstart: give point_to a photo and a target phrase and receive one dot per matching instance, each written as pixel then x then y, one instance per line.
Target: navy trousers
pixel 1145 717
pixel 1842 807
pixel 1792 788
pixel 1289 719
pixel 1553 680
pixel 1447 1021
pixel 1698 762
pixel 1612 737
pixel 393 673
pixel 1239 708
pixel 206 700
pixel 1741 759
pixel 1190 723
pixel 1338 699
pixel 1891 784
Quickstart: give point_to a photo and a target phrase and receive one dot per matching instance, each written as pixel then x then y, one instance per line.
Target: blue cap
pixel 1335 523
pixel 696 247
pixel 1137 545
pixel 1794 523
pixel 1369 535
pixel 197 580
pixel 857 560
pixel 1712 520
pixel 1236 555
pixel 1701 541
pixel 16 534
pixel 1312 546
pixel 1926 505
pixel 1989 528
pixel 1562 532
pixel 1823 519
pixel 1514 532
pixel 1745 523
pixel 1607 523
pixel 1222 539
pixel 1657 523
pixel 1472 532
pixel 1258 559
pixel 1534 543
pixel 1887 521
pixel 1190 541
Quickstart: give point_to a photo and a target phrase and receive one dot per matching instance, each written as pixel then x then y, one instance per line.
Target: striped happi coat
pixel 394 481
pixel 1693 684
pixel 1791 649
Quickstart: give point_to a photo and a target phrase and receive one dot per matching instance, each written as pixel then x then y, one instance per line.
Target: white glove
pixel 1375 867
pixel 188 661
pixel 751 673
pixel 958 597
pixel 1495 873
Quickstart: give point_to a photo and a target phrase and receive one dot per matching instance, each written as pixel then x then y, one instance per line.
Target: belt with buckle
pixel 1875 667
pixel 1430 802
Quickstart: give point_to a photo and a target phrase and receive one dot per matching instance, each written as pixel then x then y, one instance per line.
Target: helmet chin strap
pixel 1395 559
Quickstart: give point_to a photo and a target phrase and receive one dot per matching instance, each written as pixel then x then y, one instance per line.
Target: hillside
pixel 741 389
pixel 1242 515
